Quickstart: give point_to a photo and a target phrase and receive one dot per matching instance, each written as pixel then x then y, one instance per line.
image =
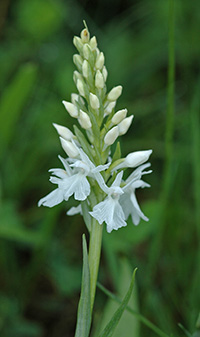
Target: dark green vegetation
pixel 40 249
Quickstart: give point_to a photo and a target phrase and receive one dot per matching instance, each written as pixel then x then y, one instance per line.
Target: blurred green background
pixel 40 248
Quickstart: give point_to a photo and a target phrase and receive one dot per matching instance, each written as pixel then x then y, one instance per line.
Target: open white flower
pixel 60 177
pixel 72 180
pixel 121 201
pixel 128 200
pixel 110 209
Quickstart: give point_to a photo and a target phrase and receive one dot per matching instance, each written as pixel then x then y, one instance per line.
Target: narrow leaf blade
pixel 84 311
pixel 109 329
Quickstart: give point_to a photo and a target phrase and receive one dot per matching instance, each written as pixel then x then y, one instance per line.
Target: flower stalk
pixel 94 257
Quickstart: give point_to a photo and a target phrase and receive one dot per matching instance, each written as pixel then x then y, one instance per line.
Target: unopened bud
pixel 119 116
pixel 75 98
pixel 69 148
pixel 71 108
pixel 87 51
pixel 111 136
pixel 85 35
pixel 78 43
pixel 114 93
pixel 85 68
pixel 76 76
pixel 94 101
pixel 99 81
pixel 105 73
pixel 97 52
pixel 80 87
pixel 93 43
pixel 99 61
pixel 124 125
pixel 84 120
pixel 109 108
pixel 78 61
pixel 63 131
pixel 137 158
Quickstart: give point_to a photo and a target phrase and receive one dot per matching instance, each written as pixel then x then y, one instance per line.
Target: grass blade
pixel 109 329
pixel 141 318
pixel 84 311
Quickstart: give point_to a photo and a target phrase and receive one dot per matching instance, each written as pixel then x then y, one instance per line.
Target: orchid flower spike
pixel 90 175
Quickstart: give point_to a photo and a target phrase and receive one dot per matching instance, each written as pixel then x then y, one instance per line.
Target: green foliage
pixel 112 324
pixel 127 318
pixel 40 250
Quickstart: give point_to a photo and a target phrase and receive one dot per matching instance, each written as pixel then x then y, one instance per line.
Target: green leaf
pixel 117 153
pixel 122 283
pixel 84 311
pixel 109 329
pixel 13 100
pixel 187 333
pixel 84 143
pixel 141 318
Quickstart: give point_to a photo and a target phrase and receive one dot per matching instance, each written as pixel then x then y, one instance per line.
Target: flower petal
pixel 111 212
pixel 138 172
pixel 77 185
pixel 52 199
pixel 60 173
pixel 66 165
pixel 75 210
pixel 118 179
pixel 137 208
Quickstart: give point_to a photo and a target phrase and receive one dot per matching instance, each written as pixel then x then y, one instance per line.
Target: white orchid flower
pixel 110 209
pixel 72 180
pixel 128 200
pixel 121 201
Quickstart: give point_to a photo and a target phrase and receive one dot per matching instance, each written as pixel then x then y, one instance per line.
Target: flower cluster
pixel 93 173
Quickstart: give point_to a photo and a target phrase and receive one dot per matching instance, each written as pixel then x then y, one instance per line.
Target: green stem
pixel 94 257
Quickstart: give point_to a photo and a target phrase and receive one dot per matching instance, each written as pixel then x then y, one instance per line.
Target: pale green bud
pixel 119 116
pixel 85 35
pixel 105 73
pixel 124 125
pixel 97 52
pixel 63 131
pixel 84 120
pixel 94 101
pixel 75 98
pixel 71 108
pixel 76 76
pixel 93 43
pixel 85 68
pixel 111 136
pixel 99 80
pixel 78 61
pixel 109 108
pixel 78 43
pixel 69 148
pixel 99 61
pixel 87 51
pixel 80 87
pixel 114 93
pixel 137 158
